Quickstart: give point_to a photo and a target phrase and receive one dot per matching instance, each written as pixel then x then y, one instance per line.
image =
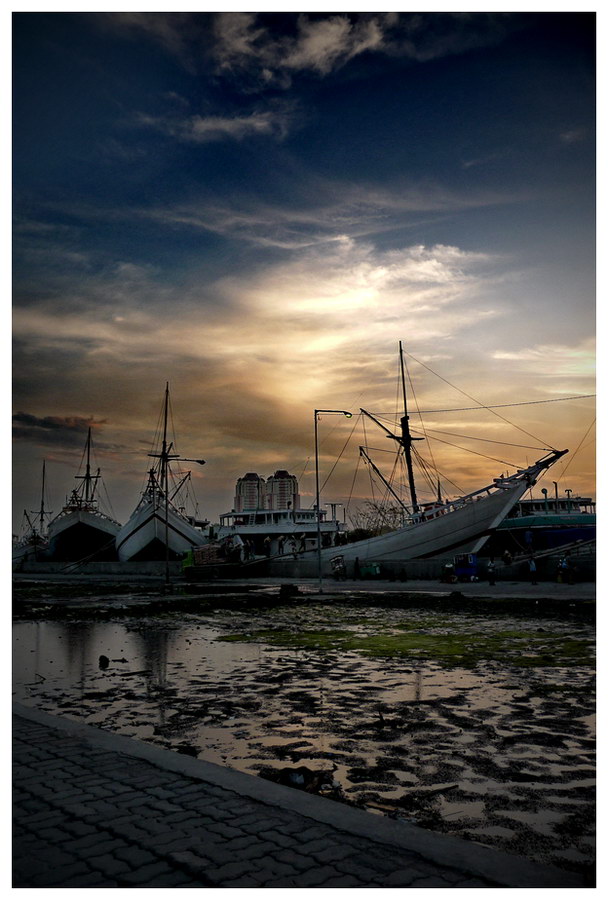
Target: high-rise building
pixel 281 491
pixel 249 494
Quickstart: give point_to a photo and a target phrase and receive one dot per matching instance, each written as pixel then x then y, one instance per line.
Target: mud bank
pixel 53 599
pixel 462 722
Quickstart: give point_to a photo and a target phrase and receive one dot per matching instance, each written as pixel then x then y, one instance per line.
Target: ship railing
pixel 449 506
pixel 89 508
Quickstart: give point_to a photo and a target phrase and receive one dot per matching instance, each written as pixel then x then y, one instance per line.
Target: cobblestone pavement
pixel 90 810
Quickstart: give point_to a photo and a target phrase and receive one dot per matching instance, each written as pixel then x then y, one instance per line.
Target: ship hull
pixel 80 533
pixel 29 551
pixel 534 534
pixel 463 530
pixel 146 535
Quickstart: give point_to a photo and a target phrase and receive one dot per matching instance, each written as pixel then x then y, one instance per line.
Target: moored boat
pixel 157 528
pixel 33 544
pixel 535 525
pixel 82 531
pixel 437 529
pixel 459 526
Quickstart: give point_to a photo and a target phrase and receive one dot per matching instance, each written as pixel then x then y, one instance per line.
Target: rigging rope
pixel 445 478
pixel 369 468
pixel 578 448
pixel 475 400
pixel 172 431
pixel 492 406
pixel 341 452
pixel 107 499
pixel 352 487
pixel 484 455
pixel 471 437
pixel 418 456
pixel 426 470
pixel 304 469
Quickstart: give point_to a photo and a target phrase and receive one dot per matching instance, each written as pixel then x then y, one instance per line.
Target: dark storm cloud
pixel 62 430
pixel 322 43
pixel 423 37
pixel 261 51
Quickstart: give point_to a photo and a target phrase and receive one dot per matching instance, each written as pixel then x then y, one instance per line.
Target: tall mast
pixel 87 475
pixel 164 455
pixel 406 438
pixel 42 497
pixel 164 466
pixel 42 512
pixel 165 463
pixel 89 481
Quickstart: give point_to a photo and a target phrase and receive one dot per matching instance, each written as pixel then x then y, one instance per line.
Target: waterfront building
pixel 249 492
pixel 281 491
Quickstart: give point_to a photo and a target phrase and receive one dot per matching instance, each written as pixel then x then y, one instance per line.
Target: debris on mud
pixel 304 779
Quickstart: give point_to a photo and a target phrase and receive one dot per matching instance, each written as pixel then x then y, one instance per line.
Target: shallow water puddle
pixel 497 752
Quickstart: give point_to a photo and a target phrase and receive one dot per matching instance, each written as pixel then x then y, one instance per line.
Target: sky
pixel 257 208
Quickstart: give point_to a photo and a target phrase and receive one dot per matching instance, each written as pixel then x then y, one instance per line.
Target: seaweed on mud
pixel 454 649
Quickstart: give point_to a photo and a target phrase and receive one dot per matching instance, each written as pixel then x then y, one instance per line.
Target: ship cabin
pixel 289 529
pixel 552 506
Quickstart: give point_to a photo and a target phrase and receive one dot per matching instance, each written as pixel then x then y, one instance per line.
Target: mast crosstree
pixel 405 439
pixel 86 492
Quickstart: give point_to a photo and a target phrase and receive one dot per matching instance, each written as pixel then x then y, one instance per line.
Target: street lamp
pixel 338 412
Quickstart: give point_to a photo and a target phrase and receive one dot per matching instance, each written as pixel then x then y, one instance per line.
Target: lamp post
pixel 339 412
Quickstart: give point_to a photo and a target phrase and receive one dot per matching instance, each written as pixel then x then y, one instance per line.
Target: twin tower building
pixel 279 491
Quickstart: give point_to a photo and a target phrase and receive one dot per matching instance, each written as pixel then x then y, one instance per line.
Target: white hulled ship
pixel 32 545
pixel 437 529
pixel 82 531
pixel 158 529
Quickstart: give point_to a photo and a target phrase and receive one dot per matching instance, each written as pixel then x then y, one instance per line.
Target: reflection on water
pixel 496 753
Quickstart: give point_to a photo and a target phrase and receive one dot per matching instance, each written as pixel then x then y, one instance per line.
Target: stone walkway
pixel 94 809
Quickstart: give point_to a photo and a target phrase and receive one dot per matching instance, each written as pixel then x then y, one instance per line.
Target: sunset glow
pixel 257 208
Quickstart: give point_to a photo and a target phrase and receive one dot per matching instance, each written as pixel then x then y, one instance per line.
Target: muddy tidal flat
pixel 468 723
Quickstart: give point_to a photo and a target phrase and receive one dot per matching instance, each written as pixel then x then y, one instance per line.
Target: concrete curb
pixel 502 868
